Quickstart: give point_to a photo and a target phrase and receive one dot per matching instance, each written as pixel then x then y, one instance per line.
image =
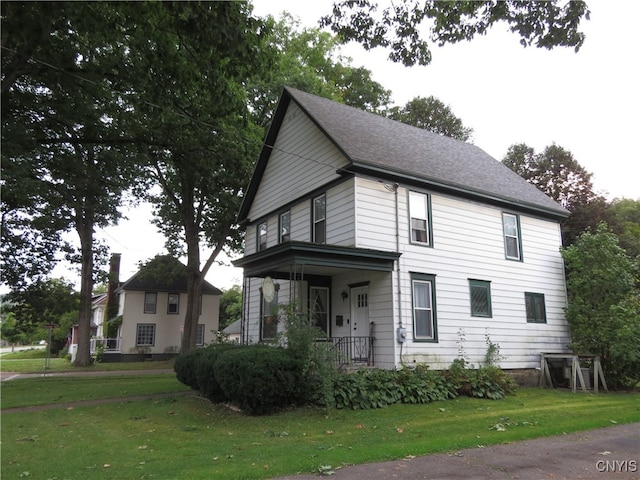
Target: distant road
pixel 4 350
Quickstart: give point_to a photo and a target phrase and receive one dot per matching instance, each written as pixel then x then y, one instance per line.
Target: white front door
pixel 360 323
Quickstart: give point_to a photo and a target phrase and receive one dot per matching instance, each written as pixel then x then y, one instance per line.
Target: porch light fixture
pixel 344 295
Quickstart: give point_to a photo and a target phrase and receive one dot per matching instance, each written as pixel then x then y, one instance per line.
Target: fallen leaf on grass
pixel 400 430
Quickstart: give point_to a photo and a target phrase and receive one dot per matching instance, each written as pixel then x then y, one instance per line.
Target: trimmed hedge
pixel 259 379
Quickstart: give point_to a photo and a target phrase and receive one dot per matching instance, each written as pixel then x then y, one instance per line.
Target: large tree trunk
pixel 194 289
pixel 84 226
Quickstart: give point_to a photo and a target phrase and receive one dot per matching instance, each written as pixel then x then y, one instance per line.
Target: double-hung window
pixel 536 311
pixel 320 219
pixel 262 236
pixel 480 295
pixel 285 227
pixel 424 307
pixel 145 335
pixel 150 299
pixel 419 218
pixel 200 335
pixel 512 237
pixel 173 303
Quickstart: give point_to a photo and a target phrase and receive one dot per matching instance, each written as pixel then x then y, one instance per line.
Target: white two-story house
pixel 402 245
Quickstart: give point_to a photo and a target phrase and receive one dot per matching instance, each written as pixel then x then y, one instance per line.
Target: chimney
pixel 114 282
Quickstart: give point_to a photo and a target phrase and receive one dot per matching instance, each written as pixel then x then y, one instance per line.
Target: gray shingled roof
pixel 390 148
pixel 164 273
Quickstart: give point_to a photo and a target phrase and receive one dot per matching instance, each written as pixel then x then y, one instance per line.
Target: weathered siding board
pixel 341 215
pixel 301 152
pixel 469 244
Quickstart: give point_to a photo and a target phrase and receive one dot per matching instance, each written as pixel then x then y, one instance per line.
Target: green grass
pixel 33 361
pixel 50 390
pixel 188 437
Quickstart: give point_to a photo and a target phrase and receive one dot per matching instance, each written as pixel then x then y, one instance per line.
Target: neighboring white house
pixel 403 246
pixel 150 315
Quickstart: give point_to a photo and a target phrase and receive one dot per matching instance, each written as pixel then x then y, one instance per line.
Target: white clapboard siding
pixel 301 160
pixel 469 244
pixel 341 214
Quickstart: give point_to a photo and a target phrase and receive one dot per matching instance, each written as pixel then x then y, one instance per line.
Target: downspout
pixel 396 187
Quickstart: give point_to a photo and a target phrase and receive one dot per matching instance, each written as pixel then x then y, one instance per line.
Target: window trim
pixel 316 221
pixel 145 303
pixel 519 257
pixel 177 303
pixel 153 340
pixel 427 220
pixel 281 235
pixel 327 306
pixel 200 334
pixel 261 239
pixel 263 307
pixel 486 285
pixel 431 281
pixel 533 297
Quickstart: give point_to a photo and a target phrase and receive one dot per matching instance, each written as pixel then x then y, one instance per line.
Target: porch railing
pixel 109 344
pixel 350 351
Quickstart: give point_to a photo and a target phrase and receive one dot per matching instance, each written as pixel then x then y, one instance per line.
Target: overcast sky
pixel 586 102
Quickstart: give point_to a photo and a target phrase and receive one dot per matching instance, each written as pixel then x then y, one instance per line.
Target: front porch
pixel 330 285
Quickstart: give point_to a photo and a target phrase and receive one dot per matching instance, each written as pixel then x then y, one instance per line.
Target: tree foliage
pixel 230 306
pixel 433 115
pixel 46 302
pixel 63 150
pixel 309 59
pixel 558 174
pixel 400 27
pixel 604 304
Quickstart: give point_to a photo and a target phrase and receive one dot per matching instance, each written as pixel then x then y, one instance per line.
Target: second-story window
pixel 285 227
pixel 150 299
pixel 419 218
pixel 512 238
pixel 262 236
pixel 320 219
pixel 173 304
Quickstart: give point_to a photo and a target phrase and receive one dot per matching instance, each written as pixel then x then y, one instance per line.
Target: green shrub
pixel 259 379
pixel 484 382
pixel 185 367
pixel 380 388
pixel 205 373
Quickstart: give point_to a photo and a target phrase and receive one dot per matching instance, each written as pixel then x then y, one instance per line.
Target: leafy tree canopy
pixel 604 304
pixel 433 115
pixel 557 173
pixel 230 306
pixel 399 27
pixel 309 59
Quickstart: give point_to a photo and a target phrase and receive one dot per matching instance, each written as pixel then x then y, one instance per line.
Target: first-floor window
pixel 145 335
pixel 269 318
pixel 319 310
pixel 200 334
pixel 536 311
pixel 480 293
pixel 424 307
pixel 150 299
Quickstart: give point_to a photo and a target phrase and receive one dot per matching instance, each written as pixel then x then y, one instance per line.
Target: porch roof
pixel 323 259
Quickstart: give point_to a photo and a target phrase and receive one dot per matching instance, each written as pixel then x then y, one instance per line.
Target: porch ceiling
pixel 315 258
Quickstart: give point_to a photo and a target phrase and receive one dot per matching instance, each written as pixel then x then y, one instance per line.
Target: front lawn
pixel 188 437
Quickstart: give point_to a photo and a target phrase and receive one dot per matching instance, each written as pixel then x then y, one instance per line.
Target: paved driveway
pixel 603 454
